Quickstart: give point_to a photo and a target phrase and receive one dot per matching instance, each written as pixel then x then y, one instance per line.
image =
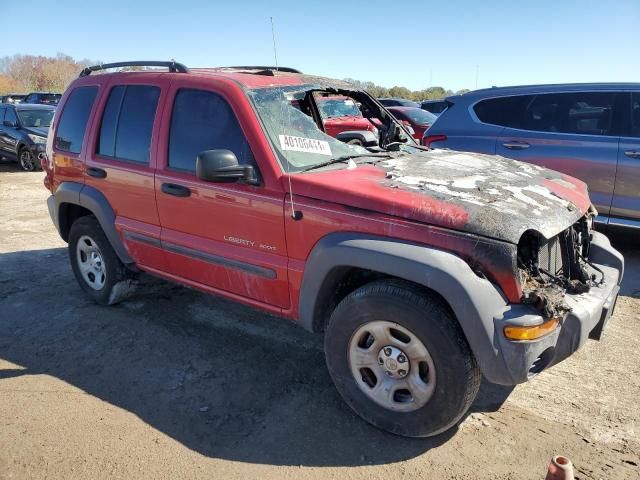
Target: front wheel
pixel 27 160
pixel 400 360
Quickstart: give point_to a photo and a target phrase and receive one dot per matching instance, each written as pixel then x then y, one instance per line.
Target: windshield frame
pixel 285 165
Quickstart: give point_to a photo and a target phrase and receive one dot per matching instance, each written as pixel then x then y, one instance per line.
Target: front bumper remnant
pixel 587 318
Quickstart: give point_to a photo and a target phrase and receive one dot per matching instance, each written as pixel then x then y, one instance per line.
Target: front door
pixel 10 133
pixel 223 236
pixel 2 140
pixel 572 133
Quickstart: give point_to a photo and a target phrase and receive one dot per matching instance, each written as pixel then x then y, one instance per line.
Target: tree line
pixel 37 73
pixel 430 93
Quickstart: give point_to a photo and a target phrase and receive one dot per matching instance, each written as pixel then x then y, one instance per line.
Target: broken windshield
pixel 291 128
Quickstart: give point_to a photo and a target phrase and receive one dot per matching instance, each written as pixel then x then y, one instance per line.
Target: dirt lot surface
pixel 176 384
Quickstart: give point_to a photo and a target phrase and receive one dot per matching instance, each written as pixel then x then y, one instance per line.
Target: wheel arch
pixel 21 144
pixel 73 200
pixel 477 301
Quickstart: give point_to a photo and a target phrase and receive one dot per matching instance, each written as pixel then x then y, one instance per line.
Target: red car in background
pixel 419 120
pixel 341 114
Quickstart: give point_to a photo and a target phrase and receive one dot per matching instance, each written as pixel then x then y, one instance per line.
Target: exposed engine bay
pixel 549 269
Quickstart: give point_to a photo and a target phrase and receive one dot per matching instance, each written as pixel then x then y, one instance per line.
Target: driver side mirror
pixel 222 166
pixel 9 123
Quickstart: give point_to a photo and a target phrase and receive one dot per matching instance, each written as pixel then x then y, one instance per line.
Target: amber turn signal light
pixel 531 332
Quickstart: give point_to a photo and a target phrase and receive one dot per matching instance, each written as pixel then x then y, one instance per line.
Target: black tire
pixel 430 320
pixel 34 162
pixel 118 281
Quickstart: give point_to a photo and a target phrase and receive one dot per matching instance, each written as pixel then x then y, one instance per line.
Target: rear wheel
pixel 400 360
pixel 27 160
pixel 97 268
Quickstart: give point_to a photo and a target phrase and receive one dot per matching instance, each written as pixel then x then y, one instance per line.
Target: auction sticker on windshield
pixel 302 144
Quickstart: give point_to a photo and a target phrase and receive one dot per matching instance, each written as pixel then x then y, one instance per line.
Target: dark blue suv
pixel 23 133
pixel 589 131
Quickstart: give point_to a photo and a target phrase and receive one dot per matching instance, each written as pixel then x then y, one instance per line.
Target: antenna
pixel 273 37
pixel 295 214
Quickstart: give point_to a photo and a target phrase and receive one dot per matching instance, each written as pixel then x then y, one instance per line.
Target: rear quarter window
pixel 73 122
pixel 503 111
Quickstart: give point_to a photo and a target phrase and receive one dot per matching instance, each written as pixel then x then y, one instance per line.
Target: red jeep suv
pixel 423 269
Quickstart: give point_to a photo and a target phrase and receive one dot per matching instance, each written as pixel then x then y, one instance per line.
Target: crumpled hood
pixel 486 195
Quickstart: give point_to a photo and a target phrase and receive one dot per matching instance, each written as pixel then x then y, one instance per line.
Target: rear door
pixel 225 236
pixel 573 133
pixel 121 162
pixel 626 198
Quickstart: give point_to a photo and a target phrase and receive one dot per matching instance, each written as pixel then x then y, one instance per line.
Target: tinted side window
pixel 10 116
pixel 127 122
pixel 107 139
pixel 587 113
pixel 504 111
pixel 635 115
pixel 543 114
pixel 73 121
pixel 203 120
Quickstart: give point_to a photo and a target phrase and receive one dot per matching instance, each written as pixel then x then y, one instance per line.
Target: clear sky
pixel 413 43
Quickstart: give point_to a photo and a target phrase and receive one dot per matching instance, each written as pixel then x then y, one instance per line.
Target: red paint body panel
pixel 145 255
pixel 321 218
pixel 336 125
pixel 362 188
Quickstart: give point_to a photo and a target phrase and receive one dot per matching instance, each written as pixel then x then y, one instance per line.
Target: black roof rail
pixel 278 69
pixel 171 65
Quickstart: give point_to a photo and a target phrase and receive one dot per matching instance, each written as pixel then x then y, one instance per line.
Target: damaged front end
pixel 551 268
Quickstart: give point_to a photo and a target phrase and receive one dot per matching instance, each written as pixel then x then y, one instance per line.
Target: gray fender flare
pixel 475 301
pixel 94 201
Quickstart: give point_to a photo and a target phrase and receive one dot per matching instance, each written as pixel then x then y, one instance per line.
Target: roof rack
pixel 278 69
pixel 171 65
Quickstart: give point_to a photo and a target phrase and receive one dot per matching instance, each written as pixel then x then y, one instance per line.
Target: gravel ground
pixel 176 384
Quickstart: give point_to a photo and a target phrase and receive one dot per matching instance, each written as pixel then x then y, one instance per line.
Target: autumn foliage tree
pixel 31 73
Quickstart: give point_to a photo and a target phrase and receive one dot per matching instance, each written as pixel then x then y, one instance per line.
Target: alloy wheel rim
pixel 391 366
pixel 26 161
pixel 91 262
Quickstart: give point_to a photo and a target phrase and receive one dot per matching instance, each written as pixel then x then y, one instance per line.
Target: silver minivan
pixel 588 131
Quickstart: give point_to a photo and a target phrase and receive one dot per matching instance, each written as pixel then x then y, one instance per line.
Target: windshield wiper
pixel 345 158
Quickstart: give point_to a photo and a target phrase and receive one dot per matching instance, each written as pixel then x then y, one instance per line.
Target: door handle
pixel 175 190
pixel 515 145
pixel 632 153
pixel 96 172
